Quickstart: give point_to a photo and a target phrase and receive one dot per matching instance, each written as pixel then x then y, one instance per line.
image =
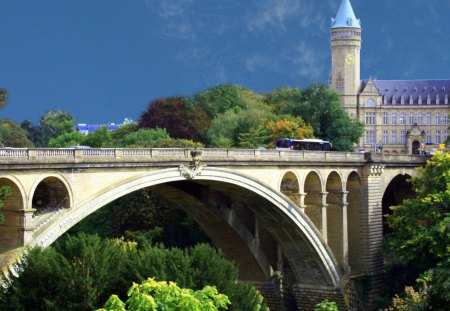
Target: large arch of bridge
pixel 311 259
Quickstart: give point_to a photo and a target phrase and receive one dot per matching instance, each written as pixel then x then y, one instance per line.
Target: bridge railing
pixel 61 155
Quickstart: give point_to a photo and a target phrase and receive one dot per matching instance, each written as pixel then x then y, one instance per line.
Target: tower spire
pixel 345 17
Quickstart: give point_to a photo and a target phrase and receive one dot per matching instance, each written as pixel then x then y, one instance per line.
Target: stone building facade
pixel 400 116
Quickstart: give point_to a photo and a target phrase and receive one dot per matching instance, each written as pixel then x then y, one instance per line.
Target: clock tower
pixel 345 56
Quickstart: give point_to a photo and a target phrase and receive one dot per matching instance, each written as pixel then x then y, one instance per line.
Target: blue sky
pixel 105 60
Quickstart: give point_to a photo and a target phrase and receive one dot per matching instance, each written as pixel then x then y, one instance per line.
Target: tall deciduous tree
pixel 12 135
pixel 320 107
pixel 54 123
pixel 220 98
pixel 421 230
pixel 3 97
pixel 178 116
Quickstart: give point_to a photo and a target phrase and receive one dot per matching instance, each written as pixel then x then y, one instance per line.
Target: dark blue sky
pixel 105 60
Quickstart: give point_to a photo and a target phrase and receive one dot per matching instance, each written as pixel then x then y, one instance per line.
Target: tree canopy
pixel 421 231
pixel 320 107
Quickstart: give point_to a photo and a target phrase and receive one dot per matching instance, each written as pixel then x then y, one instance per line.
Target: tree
pixel 320 107
pixel 240 126
pixel 11 135
pixel 53 124
pixel 68 139
pixel 280 126
pixel 220 99
pixel 421 230
pixel 178 116
pixel 153 295
pixel 33 132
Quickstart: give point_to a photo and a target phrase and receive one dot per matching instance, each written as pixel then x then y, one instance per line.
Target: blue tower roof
pixel 345 17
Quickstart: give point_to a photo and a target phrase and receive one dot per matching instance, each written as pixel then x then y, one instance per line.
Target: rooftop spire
pixel 345 17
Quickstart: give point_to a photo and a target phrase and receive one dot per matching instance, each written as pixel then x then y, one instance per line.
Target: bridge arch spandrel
pixel 312 260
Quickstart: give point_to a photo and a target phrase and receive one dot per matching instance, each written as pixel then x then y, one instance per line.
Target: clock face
pixel 350 59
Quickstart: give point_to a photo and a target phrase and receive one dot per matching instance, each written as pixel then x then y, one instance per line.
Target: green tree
pixel 68 139
pixel 53 124
pixel 240 126
pixel 421 230
pixel 153 295
pixel 220 99
pixel 33 132
pixel 320 107
pixel 12 135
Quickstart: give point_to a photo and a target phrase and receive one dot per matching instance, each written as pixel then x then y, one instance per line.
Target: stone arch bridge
pixel 300 224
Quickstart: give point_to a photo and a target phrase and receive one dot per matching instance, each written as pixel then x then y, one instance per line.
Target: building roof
pixel 412 90
pixel 345 17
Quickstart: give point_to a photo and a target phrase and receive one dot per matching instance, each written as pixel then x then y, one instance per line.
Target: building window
pixel 419 118
pixel 445 136
pixel 394 118
pixel 445 119
pixel 370 137
pixel 438 118
pixel 385 138
pixel 428 137
pixel 411 118
pixel 385 118
pixel 437 99
pixel 438 137
pixel 402 119
pixel 428 118
pixel 402 137
pixel 370 118
pixel 394 137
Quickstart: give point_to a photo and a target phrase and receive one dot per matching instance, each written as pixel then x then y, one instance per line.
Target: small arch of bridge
pixel 50 191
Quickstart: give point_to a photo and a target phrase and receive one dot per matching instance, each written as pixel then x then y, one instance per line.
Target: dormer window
pixel 405 89
pixel 402 100
pixel 411 100
pixel 434 89
pixel 425 89
pixel 394 100
pixel 443 89
pixel 420 100
pixel 428 99
pixel 437 99
pixel 385 100
pixel 396 89
pixel 446 99
pixel 415 89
